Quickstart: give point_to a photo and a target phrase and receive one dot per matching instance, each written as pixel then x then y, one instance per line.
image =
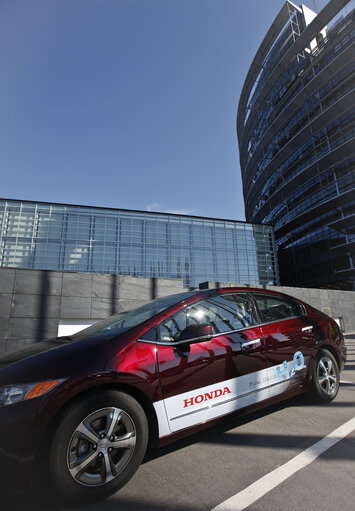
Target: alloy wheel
pixel 327 375
pixel 101 446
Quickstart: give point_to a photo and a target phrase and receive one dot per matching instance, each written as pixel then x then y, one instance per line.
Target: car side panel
pixel 289 346
pixel 211 378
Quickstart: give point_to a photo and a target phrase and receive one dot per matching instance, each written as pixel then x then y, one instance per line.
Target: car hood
pixel 31 350
pixel 60 358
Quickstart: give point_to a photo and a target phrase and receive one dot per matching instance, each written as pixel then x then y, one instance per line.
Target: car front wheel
pixel 325 378
pixel 98 445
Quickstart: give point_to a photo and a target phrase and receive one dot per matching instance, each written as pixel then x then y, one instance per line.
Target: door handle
pixel 246 346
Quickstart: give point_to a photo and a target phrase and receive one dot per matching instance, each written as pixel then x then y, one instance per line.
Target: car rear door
pixel 208 379
pixel 289 341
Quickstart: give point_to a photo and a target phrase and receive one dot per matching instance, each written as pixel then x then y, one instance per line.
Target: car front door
pixel 204 380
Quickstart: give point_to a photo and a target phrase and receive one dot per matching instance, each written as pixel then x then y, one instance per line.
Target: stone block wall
pixel 33 302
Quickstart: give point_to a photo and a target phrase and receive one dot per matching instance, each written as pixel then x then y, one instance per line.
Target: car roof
pixel 245 289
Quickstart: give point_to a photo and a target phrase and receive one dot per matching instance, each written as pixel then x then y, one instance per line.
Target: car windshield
pixel 124 321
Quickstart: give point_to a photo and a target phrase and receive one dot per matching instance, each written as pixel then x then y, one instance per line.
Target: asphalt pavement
pixel 204 470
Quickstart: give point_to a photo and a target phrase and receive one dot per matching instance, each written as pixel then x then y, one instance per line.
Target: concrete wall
pixel 33 302
pixel 337 304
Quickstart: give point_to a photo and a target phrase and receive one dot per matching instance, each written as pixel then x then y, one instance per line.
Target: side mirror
pixel 196 333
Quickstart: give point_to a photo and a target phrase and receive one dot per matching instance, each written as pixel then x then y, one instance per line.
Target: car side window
pixel 171 328
pixel 277 308
pixel 150 335
pixel 225 313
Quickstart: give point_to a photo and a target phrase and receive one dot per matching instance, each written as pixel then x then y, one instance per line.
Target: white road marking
pixel 255 491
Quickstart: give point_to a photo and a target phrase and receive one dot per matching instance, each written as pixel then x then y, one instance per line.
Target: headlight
pixel 10 394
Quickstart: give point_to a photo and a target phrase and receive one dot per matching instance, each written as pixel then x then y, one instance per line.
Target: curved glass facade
pixel 137 243
pixel 296 135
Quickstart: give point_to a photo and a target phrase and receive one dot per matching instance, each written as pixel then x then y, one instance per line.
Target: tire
pixel 325 377
pixel 98 446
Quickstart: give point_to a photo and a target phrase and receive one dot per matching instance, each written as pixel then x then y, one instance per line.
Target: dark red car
pixel 85 407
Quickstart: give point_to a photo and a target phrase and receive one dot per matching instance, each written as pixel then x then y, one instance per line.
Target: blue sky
pixel 127 103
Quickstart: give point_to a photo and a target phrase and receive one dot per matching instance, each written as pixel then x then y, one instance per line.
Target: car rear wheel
pixel 98 445
pixel 326 377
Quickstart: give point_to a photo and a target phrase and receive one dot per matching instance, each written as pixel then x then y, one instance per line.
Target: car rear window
pixel 277 308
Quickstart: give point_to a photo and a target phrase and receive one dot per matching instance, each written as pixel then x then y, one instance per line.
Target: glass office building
pixel 100 240
pixel 296 129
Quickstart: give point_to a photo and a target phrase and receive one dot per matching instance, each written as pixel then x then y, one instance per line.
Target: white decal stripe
pixel 163 424
pixel 282 387
pixel 183 410
pixel 216 404
pixel 197 399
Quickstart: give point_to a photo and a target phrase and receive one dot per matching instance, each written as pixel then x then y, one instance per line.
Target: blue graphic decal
pixel 286 370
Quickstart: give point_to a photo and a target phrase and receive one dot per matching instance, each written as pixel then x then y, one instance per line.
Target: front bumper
pixel 22 431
